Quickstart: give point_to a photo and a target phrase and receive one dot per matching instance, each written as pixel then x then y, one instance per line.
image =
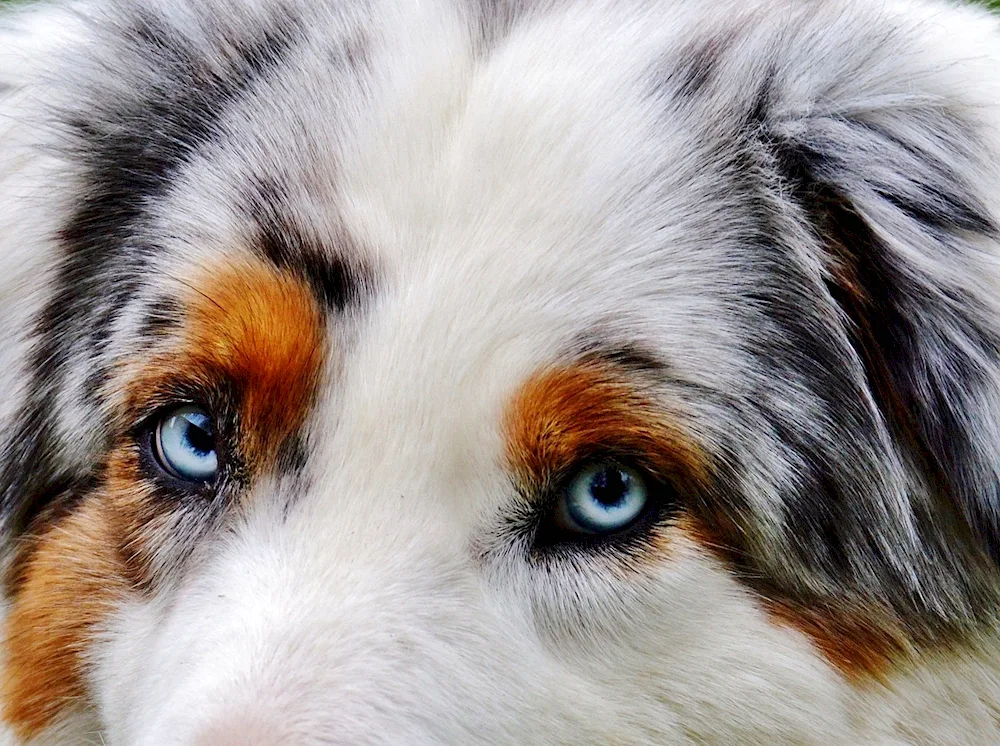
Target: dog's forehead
pixel 590 212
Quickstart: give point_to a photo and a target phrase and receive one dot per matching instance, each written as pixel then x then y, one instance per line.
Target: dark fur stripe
pixel 129 149
pixel 924 343
pixel 337 274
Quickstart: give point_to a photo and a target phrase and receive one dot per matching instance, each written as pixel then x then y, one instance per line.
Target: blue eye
pixel 185 444
pixel 601 498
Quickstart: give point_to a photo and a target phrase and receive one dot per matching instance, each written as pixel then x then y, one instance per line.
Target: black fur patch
pixel 825 498
pixel 337 274
pixel 493 20
pixel 163 317
pixel 698 64
pixel 629 356
pixel 333 281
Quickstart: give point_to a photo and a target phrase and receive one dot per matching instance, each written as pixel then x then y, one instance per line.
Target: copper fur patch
pixel 264 330
pixel 66 581
pixel 67 587
pixel 251 325
pixel 862 643
pixel 859 645
pixel 569 413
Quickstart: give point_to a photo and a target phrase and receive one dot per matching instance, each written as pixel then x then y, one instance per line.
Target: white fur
pixel 488 195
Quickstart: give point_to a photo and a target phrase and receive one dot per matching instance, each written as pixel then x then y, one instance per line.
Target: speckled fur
pixel 753 245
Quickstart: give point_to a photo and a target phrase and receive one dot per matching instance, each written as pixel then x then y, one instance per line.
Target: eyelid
pixel 145 419
pixel 151 398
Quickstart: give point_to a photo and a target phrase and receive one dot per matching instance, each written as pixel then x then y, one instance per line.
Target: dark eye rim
pixel 549 537
pixel 159 472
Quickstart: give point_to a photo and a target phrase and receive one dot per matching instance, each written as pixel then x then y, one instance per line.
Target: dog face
pixel 503 373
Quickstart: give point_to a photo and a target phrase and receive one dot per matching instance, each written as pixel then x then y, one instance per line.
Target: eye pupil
pixel 610 486
pixel 199 438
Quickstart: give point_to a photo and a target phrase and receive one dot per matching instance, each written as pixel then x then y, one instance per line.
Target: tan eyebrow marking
pixel 264 328
pixel 66 582
pixel 564 414
pixel 261 329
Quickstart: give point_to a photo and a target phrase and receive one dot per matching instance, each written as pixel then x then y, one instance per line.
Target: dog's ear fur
pixel 888 158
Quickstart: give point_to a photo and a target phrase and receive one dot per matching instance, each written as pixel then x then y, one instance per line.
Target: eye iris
pixel 603 498
pixel 185 444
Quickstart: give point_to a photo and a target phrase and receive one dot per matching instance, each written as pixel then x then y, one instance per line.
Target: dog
pixel 500 372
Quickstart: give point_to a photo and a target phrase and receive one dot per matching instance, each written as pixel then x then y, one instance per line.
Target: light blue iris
pixel 603 498
pixel 185 444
